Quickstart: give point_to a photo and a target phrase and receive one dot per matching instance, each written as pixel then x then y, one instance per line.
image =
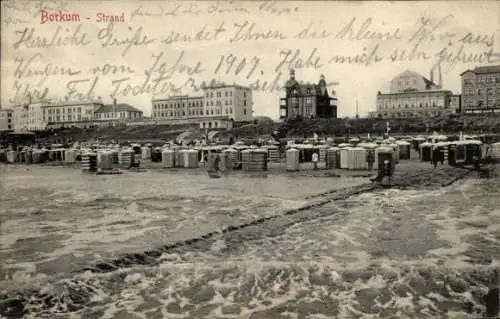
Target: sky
pixel 151 45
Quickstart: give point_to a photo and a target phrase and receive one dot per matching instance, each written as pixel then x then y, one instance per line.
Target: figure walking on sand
pixel 315 159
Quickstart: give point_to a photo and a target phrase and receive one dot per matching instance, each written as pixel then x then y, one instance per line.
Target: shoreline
pixel 410 174
pixel 421 179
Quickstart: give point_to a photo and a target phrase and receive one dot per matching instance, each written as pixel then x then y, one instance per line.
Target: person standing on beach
pixel 315 159
pixel 435 157
pixel 370 159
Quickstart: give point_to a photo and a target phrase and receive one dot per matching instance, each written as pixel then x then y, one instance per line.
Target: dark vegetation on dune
pixel 470 124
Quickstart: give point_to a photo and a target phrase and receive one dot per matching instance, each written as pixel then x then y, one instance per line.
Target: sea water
pixel 389 253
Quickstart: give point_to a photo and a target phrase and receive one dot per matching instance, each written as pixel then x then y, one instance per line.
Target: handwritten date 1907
pixel 232 63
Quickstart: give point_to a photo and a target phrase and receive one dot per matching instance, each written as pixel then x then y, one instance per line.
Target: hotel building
pixel 178 107
pixel 28 117
pixel 42 115
pixel 481 90
pixel 413 95
pixel 307 100
pixel 219 107
pixel 6 120
pixel 65 113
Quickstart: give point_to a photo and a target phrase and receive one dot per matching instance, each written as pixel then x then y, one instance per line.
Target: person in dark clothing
pixel 477 164
pixel 217 163
pixel 370 159
pixel 435 157
pixel 492 298
pixel 205 158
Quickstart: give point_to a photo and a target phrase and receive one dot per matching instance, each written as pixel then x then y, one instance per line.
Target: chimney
pixel 440 79
pixel 114 101
pixel 322 77
pixel 432 75
pixel 292 74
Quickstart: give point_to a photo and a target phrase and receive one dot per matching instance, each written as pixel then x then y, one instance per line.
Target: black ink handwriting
pixel 49 5
pixel 272 7
pixel 427 31
pixel 295 59
pixel 259 85
pixel 160 84
pixel 78 92
pixel 312 33
pixel 28 39
pixel 160 11
pixel 178 68
pixel 24 90
pixel 452 57
pixel 484 39
pixel 22 6
pixel 246 32
pixel 191 8
pixel 412 54
pixel 366 32
pixel 109 69
pixel 11 21
pixel 226 7
pixel 26 68
pixel 367 58
pixel 109 39
pixel 232 64
pixel 200 35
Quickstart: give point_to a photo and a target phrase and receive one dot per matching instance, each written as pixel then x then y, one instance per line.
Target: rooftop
pixel 59 104
pixel 484 70
pixel 428 83
pixel 121 107
pixel 418 92
pixel 178 97
pixel 220 85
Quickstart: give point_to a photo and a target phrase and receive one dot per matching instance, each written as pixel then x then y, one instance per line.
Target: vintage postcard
pixel 249 159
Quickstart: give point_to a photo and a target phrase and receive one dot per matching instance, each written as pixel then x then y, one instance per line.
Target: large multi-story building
pixel 481 90
pixel 178 107
pixel 117 112
pixel 67 113
pixel 413 95
pixel 42 115
pixel 28 117
pixel 6 120
pixel 307 100
pixel 232 101
pixel 219 107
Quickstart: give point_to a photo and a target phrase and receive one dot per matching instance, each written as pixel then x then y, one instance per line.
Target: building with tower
pixel 307 100
pixel 413 95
